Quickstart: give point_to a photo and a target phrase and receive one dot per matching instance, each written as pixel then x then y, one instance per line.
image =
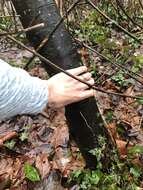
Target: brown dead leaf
pixel 113 130
pixel 61 158
pixel 74 165
pixel 129 92
pixel 4 182
pixel 60 136
pixel 43 165
pixel 84 56
pixel 123 148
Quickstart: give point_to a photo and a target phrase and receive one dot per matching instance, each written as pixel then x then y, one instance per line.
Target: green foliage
pixel 31 173
pixel 119 177
pixel 109 116
pixel 115 45
pixel 120 79
pixel 140 101
pixel 138 63
pixel 24 135
pixel 92 30
pixel 135 150
pixel 6 22
pixel 136 171
pixel 10 144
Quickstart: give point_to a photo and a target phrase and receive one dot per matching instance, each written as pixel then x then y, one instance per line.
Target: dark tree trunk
pixel 85 122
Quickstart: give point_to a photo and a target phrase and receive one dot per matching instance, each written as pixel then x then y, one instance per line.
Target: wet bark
pixel 85 122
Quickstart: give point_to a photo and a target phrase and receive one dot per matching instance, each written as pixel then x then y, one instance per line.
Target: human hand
pixel 64 90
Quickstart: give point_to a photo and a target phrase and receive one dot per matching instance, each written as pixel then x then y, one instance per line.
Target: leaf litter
pixel 43 141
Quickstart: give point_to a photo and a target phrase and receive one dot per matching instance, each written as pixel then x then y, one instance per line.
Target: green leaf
pixel 10 144
pixel 135 171
pixel 77 173
pixel 31 173
pixel 140 101
pixel 135 150
pixel 23 136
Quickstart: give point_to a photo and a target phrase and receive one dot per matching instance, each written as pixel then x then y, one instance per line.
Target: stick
pixel 41 25
pixel 7 137
pixel 116 64
pixel 69 74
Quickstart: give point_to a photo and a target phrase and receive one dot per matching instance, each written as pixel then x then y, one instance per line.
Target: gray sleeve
pixel 20 93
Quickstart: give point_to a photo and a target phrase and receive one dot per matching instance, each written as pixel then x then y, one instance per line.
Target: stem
pixel 67 73
pixel 23 30
pixel 116 64
pixel 141 4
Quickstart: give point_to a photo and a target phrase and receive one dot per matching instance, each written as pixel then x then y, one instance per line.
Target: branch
pixel 8 136
pixel 113 22
pixel 141 4
pixel 5 16
pixel 114 63
pixel 69 74
pixel 41 25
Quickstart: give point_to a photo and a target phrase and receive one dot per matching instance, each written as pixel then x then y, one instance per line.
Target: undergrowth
pixel 120 176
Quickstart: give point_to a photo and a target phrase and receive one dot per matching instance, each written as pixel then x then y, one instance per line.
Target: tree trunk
pixel 85 122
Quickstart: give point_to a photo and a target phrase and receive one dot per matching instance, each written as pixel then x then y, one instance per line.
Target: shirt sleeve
pixel 20 93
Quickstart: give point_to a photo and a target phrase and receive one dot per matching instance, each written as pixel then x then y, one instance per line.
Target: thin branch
pixel 113 22
pixel 41 25
pixel 50 63
pixel 5 16
pixel 46 40
pixel 129 72
pixel 140 4
pixel 8 136
pixel 122 8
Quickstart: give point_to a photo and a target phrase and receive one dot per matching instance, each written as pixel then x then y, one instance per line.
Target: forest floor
pixel 43 140
pixel 37 152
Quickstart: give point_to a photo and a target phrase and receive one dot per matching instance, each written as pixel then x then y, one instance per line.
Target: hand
pixel 64 90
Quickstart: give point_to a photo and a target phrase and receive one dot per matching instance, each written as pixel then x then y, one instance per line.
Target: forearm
pixel 20 93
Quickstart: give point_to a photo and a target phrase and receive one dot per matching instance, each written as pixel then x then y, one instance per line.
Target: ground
pixel 43 140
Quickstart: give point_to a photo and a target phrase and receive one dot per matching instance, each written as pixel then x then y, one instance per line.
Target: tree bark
pixel 85 122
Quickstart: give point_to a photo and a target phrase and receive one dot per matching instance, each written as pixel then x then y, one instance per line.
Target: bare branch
pixel 129 72
pixel 141 4
pixel 41 25
pixel 69 74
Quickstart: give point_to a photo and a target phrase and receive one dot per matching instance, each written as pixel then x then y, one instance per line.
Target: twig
pixel 8 136
pixel 122 8
pixel 69 74
pixel 107 70
pixel 5 16
pixel 46 40
pixel 140 4
pixel 23 30
pixel 114 63
pixel 113 22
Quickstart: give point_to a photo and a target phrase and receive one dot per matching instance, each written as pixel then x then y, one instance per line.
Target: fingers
pixel 85 77
pixel 82 86
pixel 78 70
pixel 87 93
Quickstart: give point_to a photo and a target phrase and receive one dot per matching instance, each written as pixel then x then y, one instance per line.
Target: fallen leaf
pixel 43 165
